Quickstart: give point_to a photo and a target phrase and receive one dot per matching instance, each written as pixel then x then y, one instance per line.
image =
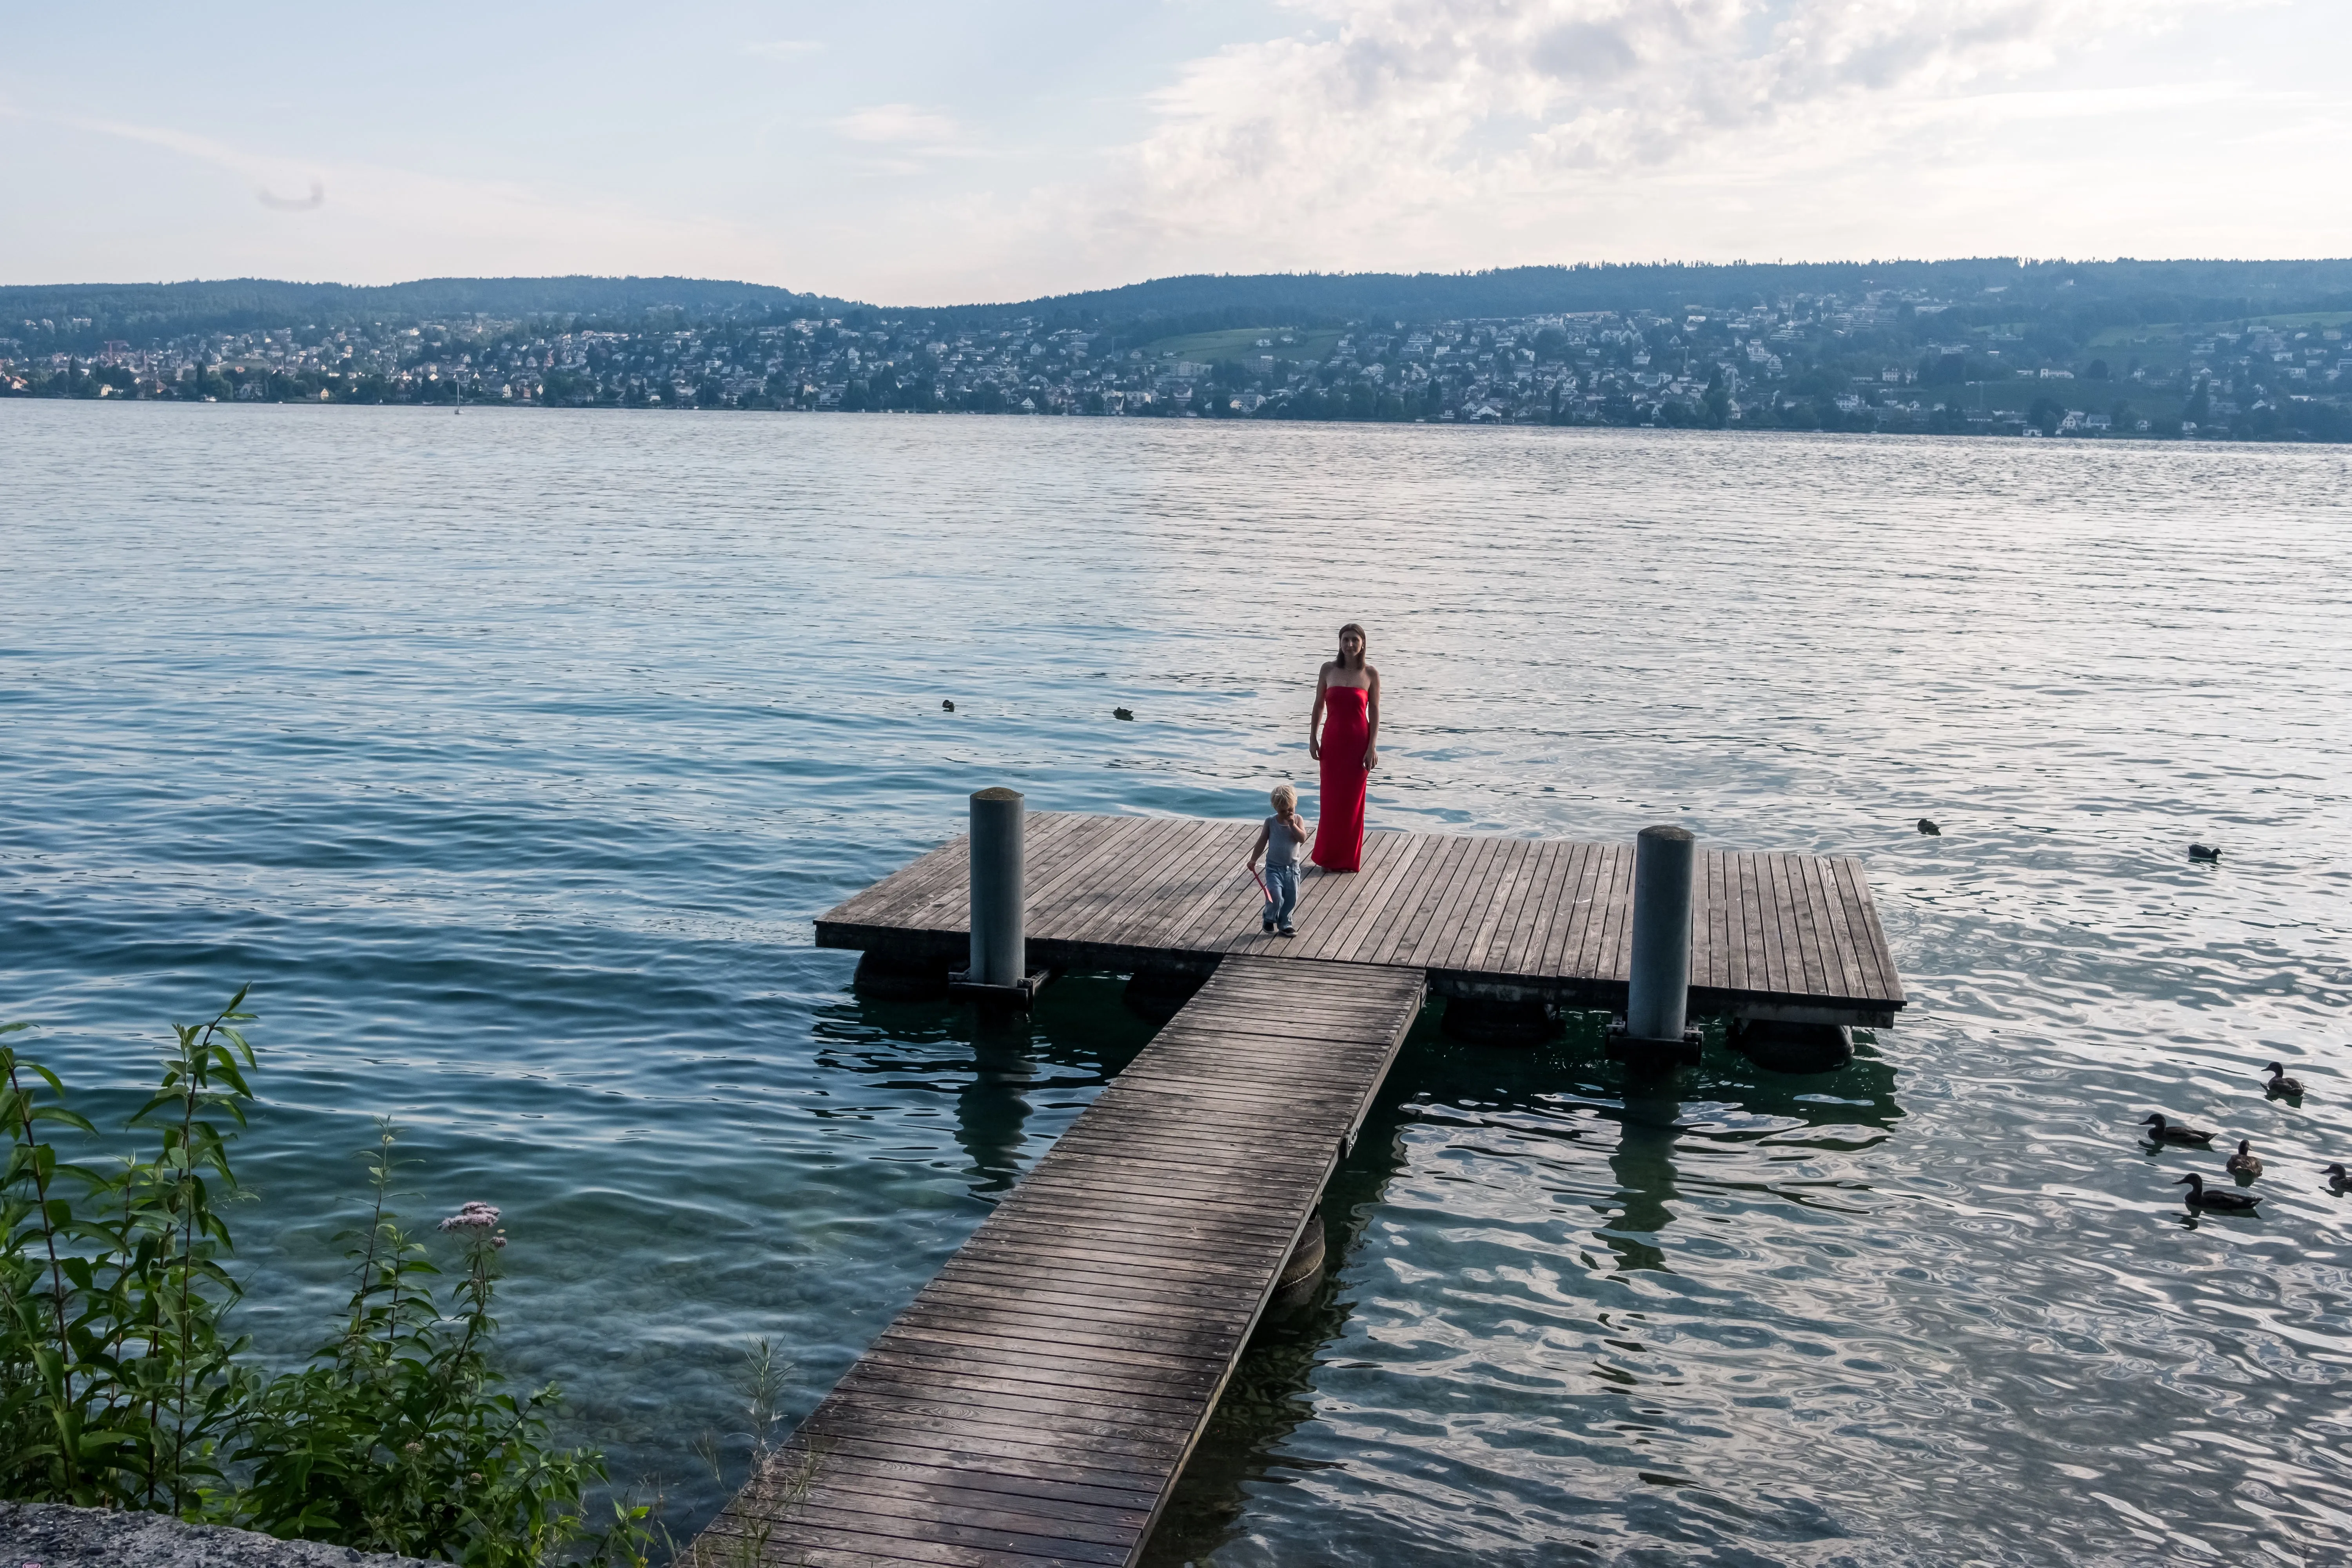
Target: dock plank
pixel 1566 938
pixel 1037 1401
pixel 1085 905
pixel 1397 878
pixel 1728 959
pixel 1870 935
pixel 1599 936
pixel 1444 928
pixel 1125 893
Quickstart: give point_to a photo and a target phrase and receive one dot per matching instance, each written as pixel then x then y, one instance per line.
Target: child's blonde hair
pixel 1285 798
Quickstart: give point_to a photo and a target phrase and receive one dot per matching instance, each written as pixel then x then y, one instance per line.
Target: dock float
pixel 1037 1400
pixel 1788 938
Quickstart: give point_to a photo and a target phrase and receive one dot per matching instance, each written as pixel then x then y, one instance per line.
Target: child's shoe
pixel 1288 932
pixel 1267 927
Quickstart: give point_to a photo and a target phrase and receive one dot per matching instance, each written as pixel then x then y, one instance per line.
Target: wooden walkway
pixel 1791 937
pixel 1038 1400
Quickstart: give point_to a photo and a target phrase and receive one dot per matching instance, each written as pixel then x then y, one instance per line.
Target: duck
pixel 946 705
pixel 2175 1132
pixel 2336 1175
pixel 2280 1084
pixel 1122 713
pixel 2197 1197
pixel 2245 1162
pixel 1928 829
pixel 2205 852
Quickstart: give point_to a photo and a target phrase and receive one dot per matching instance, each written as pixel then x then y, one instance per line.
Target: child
pixel 1278 840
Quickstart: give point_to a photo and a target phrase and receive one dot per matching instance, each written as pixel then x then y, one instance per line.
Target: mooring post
pixel 1658 989
pixel 999 972
pixel 998 907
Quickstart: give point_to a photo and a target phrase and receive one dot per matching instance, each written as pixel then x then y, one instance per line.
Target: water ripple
pixel 512 755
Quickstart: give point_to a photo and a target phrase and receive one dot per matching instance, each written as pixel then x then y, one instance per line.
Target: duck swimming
pixel 2282 1084
pixel 2175 1132
pixel 2337 1174
pixel 2197 1197
pixel 2243 1162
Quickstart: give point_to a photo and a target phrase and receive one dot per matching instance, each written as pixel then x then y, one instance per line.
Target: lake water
pixel 510 755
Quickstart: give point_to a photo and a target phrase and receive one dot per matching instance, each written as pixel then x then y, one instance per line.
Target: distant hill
pixel 2083 296
pixel 1539 291
pixel 247 304
pixel 2101 292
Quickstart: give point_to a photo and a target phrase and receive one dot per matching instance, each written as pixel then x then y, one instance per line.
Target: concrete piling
pixel 998 906
pixel 1659 986
pixel 999 972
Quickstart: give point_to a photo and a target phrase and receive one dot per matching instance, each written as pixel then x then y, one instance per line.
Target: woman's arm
pixel 1372 719
pixel 1315 719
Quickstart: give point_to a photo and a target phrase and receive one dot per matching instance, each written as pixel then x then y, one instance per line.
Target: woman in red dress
pixel 1340 734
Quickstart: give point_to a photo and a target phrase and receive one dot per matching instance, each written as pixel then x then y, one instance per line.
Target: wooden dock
pixel 1793 938
pixel 1037 1400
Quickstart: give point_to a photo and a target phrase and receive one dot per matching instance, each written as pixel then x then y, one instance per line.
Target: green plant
pixel 402 1436
pixel 762 1380
pixel 118 1380
pixel 775 1483
pixel 120 1386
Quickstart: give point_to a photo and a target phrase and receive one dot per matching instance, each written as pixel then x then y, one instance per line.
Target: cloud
pixel 1388 134
pixel 311 203
pixel 1443 134
pixel 898 124
pixel 1377 119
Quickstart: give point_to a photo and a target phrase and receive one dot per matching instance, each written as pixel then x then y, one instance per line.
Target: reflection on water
pixel 511 757
pixel 1562 1095
pixel 995 1071
pixel 1643 1165
pixel 994 1104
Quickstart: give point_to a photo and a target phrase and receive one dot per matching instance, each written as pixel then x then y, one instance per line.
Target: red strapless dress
pixel 1339 816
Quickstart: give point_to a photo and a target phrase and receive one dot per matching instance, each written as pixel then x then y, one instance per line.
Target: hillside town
pixel 1874 362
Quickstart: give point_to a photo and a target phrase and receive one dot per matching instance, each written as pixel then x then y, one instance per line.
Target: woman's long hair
pixel 1363 648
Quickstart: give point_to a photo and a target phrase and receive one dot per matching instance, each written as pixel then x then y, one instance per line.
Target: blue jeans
pixel 1282 886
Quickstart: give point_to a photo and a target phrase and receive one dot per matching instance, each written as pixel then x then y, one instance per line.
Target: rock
pixel 1930 829
pixel 52 1535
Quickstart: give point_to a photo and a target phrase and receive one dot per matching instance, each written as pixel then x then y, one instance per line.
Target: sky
pixel 923 154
